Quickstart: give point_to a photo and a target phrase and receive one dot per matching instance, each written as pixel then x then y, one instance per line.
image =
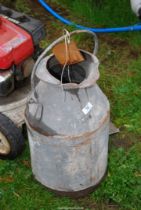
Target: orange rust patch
pixel 8 179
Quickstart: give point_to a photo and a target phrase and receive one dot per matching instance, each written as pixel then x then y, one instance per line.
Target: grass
pixel 119 12
pixel 120 69
pixel 18 189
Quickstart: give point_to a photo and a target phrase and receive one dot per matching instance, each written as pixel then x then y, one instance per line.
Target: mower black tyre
pixel 11 139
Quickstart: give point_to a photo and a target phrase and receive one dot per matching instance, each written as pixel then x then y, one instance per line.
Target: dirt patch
pixel 104 207
pixel 114 42
pixel 53 27
pixel 121 47
pixel 86 203
pixel 123 140
pixel 134 54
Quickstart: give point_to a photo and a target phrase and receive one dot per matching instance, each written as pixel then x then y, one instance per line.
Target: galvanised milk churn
pixel 68 124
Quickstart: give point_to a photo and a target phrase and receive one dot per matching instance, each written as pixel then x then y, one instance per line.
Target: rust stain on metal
pixel 86 142
pixel 77 157
pixel 84 135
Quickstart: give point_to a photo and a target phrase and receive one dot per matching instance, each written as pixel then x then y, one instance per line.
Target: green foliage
pixel 129 95
pixel 108 13
pixel 120 79
pixel 103 14
pixel 123 183
pixel 22 6
pixel 19 190
pixel 19 5
pixel 6 2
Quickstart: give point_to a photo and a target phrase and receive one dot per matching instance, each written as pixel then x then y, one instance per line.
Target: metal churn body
pixel 68 126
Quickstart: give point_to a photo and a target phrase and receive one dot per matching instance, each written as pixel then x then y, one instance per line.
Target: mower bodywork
pixel 13 106
pixel 20 36
pixel 19 40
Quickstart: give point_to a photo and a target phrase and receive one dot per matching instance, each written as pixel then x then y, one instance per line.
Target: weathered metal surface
pixel 72 163
pixel 67 105
pixel 81 193
pixel 68 128
pixel 13 106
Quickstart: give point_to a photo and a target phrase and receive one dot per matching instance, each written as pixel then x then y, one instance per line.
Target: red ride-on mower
pixel 19 47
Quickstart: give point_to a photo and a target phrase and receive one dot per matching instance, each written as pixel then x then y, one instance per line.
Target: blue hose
pixel 96 30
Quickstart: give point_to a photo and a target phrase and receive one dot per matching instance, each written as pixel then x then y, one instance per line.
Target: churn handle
pixel 55 43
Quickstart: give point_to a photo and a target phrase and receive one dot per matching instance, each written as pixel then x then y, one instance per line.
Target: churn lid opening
pixel 74 73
